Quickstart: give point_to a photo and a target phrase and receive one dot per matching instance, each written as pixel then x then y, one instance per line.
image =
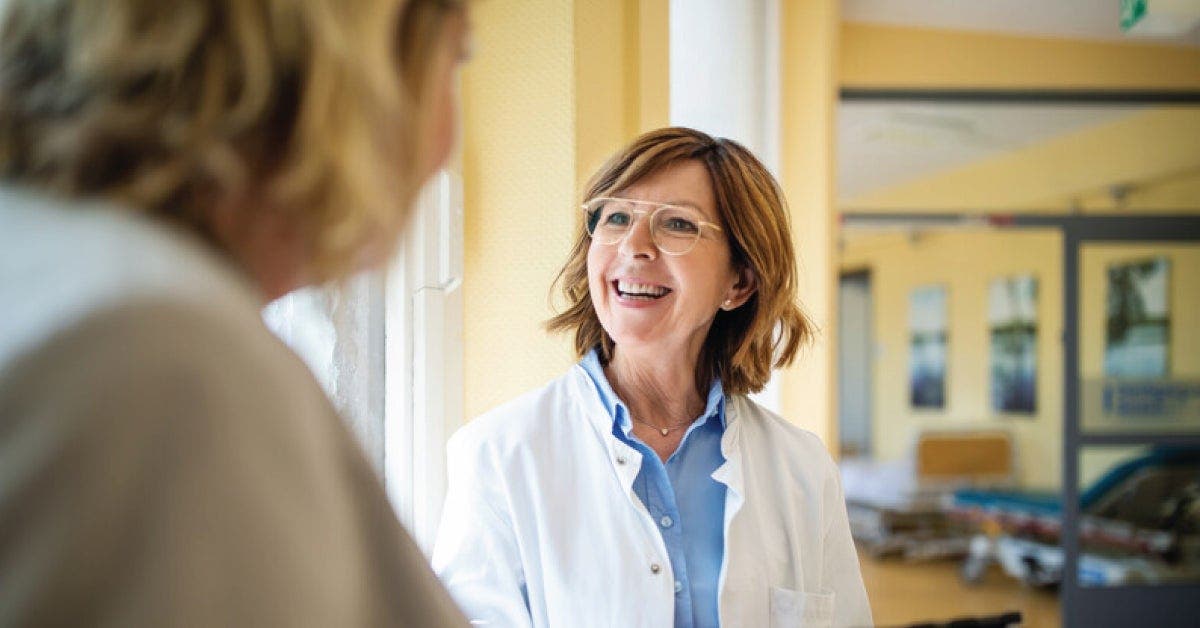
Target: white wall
pixel 725 71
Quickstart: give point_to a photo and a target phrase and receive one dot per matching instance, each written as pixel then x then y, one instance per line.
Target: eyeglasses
pixel 674 229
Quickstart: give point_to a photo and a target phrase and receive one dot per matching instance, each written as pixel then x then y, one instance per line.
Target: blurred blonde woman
pixel 166 168
pixel 643 488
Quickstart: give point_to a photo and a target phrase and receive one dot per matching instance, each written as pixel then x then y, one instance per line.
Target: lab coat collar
pixel 625 460
pixel 595 372
pixel 730 473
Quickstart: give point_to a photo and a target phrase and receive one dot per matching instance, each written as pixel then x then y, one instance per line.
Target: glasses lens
pixel 608 220
pixel 675 229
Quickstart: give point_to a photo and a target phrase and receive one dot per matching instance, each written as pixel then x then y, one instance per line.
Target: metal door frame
pixel 1130 605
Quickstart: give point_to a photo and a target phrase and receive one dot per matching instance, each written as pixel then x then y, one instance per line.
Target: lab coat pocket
pixel 795 609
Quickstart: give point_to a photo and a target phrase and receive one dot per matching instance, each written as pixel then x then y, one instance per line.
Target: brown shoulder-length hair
pixel 316 107
pixel 742 344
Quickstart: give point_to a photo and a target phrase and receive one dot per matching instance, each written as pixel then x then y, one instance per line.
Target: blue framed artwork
pixel 1012 318
pixel 927 345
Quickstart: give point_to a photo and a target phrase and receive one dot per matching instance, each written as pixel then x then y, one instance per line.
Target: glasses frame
pixel 657 207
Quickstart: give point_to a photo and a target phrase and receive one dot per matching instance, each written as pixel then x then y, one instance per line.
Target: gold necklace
pixel 662 430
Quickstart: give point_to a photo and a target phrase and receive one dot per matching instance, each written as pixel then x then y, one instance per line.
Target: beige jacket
pixel 164 460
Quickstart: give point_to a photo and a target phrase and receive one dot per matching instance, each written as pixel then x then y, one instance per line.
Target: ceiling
pixel 1070 19
pixel 881 144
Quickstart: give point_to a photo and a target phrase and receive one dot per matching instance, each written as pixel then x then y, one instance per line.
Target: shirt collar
pixel 714 405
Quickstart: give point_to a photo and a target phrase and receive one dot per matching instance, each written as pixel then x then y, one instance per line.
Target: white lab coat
pixel 542 526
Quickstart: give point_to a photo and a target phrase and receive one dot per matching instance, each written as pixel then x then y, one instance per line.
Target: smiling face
pixel 647 300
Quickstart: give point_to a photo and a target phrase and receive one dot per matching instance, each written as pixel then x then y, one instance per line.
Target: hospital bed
pixel 1140 523
pixel 1003 620
pixel 900 507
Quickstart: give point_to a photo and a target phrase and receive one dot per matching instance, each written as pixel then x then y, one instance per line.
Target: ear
pixel 741 290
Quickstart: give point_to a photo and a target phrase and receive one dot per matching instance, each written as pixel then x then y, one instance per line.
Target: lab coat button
pixel 654 568
pixel 620 459
pixel 666 522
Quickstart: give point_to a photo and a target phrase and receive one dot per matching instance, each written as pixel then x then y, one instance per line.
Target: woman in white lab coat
pixel 643 488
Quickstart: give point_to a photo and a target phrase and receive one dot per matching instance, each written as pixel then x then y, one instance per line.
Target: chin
pixel 630 339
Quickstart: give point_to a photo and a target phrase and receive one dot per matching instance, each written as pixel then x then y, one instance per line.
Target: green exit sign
pixel 1132 11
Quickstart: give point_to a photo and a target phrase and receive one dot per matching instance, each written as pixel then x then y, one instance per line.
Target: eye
pixel 680 225
pixel 615 218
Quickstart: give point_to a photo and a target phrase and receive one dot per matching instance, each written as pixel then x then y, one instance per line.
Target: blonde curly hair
pixel 167 108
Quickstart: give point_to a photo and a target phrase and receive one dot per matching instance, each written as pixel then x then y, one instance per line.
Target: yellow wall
pixel 1177 192
pixel 546 98
pixel 965 262
pixel 878 56
pixel 808 88
pixel 621 76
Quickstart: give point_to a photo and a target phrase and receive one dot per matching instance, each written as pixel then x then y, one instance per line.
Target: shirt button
pixel 620 459
pixel 666 522
pixel 654 568
pixel 678 586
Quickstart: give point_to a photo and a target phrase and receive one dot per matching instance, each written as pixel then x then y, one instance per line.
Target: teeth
pixel 640 289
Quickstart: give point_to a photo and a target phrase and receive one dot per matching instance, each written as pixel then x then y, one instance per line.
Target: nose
pixel 639 242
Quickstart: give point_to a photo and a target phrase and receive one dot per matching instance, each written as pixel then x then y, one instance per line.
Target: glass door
pixel 1131 473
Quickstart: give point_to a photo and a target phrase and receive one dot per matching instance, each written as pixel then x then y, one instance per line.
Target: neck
pixel 659 387
pixel 265 245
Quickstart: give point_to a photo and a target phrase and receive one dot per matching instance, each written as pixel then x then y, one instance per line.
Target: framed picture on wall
pixel 927 345
pixel 1138 319
pixel 1012 317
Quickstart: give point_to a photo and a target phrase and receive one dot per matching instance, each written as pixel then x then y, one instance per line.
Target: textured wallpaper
pixel 519 189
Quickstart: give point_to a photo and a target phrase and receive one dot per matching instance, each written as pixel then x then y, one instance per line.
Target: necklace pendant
pixel 664 431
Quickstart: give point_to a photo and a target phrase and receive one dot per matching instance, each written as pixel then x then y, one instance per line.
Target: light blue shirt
pixel 687 505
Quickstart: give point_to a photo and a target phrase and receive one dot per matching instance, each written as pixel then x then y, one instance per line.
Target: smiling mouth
pixel 639 291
